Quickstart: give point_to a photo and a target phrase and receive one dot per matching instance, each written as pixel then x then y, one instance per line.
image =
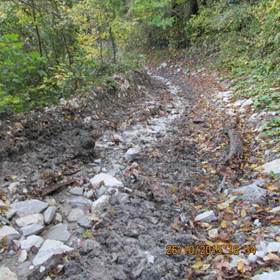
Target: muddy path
pixel 111 192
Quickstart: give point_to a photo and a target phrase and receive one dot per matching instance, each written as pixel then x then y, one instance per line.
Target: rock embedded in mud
pixel 49 214
pixel 84 222
pixel 58 232
pixel 7 274
pixel 10 232
pixel 29 220
pixel 99 205
pixel 75 214
pixel 272 167
pixel 76 191
pixel 31 241
pixel 32 229
pixel 49 249
pixel 106 179
pixel 251 192
pixel 80 202
pixel 208 216
pixel 132 153
pixel 29 207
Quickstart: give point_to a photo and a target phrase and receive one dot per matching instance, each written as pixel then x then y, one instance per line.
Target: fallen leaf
pixel 224 224
pixel 243 213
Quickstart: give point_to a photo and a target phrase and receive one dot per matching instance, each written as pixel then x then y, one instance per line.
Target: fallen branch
pixel 56 187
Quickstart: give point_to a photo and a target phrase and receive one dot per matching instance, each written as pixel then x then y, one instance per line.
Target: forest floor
pixel 155 170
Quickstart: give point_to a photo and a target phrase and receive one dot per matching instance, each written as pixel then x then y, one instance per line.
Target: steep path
pixel 157 164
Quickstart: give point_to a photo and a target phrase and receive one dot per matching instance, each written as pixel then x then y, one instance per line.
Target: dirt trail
pixel 160 165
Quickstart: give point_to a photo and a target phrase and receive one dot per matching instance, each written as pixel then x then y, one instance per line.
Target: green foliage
pixel 245 38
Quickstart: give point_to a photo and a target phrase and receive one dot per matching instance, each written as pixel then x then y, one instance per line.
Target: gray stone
pixel 10 232
pixel 7 274
pixel 105 179
pixel 268 276
pixel 49 249
pixel 89 245
pixel 132 153
pixel 31 241
pixel 75 214
pixel 89 194
pixel 49 214
pixel 272 167
pixel 29 220
pixel 251 192
pixel 58 218
pixel 32 229
pixel 22 256
pixel 208 216
pixel 76 191
pixel 80 201
pixel 10 213
pixel 99 205
pixel 28 207
pixel 13 187
pixel 58 232
pixel 85 222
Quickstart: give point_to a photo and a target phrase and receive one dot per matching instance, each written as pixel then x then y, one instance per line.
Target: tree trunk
pixel 193 7
pixel 114 46
pixel 37 28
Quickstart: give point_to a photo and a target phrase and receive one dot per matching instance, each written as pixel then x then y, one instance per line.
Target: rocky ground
pixel 86 195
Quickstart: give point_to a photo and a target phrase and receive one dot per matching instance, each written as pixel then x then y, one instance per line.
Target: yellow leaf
pixel 271 257
pixel 198 265
pixel 223 224
pixel 243 213
pixel 241 266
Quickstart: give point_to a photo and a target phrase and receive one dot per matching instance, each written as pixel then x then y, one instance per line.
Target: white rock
pixel 106 179
pixel 29 220
pixel 32 229
pixel 10 232
pixel 49 214
pixel 272 166
pixel 13 187
pixel 252 192
pixel 22 256
pixel 89 194
pixel 213 233
pixel 10 213
pixel 42 269
pixel 275 210
pixel 79 201
pixel 132 153
pixel 208 216
pixel 28 207
pixel 99 205
pixel 7 274
pixel 31 241
pixel 252 258
pixel 58 218
pixel 75 214
pixel 273 247
pixel 58 232
pixel 76 191
pixel 268 276
pixel 48 250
